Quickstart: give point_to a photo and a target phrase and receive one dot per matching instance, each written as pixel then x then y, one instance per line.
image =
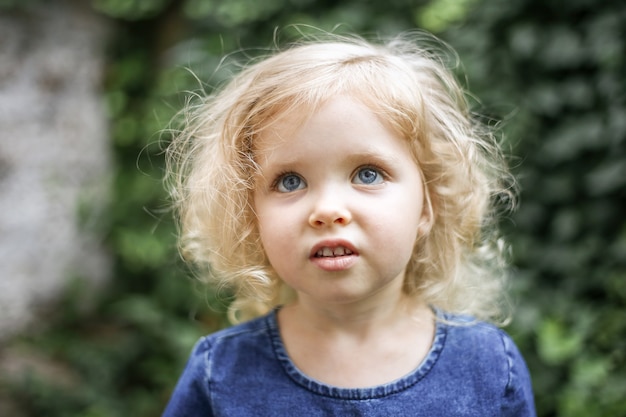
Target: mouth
pixel 334 255
pixel 328 252
pixel 334 248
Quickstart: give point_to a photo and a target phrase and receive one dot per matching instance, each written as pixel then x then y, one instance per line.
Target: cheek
pixel 270 245
pixel 276 233
pixel 409 201
pixel 399 226
pixel 264 224
pixel 267 232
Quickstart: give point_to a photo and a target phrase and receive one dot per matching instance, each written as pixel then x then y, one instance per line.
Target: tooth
pixel 327 252
pixel 339 251
pixel 348 252
pixel 319 253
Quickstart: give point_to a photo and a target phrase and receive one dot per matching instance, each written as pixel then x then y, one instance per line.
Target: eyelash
pixel 275 184
pixel 374 167
pixel 280 176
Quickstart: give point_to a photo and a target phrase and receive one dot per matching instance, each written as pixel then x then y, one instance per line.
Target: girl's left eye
pixel 368 176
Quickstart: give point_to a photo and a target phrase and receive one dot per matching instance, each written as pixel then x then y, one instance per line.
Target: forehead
pixel 280 128
pixel 339 127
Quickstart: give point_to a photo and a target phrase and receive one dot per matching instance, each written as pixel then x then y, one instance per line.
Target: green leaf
pixel 556 343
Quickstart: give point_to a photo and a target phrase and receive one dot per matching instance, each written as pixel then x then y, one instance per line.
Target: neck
pixel 359 320
pixel 354 347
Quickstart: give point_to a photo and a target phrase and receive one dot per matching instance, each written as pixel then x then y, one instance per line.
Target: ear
pixel 427 219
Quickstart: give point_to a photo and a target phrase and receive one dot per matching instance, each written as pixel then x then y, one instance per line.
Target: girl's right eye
pixel 288 183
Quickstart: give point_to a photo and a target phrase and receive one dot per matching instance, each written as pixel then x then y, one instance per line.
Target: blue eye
pixel 289 183
pixel 368 176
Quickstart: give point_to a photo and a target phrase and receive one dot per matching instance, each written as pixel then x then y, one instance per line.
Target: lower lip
pixel 337 263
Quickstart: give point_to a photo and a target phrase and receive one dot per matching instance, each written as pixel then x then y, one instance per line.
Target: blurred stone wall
pixel 55 161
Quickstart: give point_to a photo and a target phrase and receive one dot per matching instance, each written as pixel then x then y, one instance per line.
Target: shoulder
pixel 490 346
pixel 240 335
pixel 482 350
pixel 475 335
pixel 217 357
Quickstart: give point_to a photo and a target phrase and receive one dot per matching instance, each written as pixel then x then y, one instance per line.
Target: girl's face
pixel 339 203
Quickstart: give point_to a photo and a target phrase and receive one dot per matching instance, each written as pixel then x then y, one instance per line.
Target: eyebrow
pixel 353 158
pixel 374 156
pixel 363 156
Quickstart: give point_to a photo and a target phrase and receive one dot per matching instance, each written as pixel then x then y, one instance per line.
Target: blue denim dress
pixel 471 370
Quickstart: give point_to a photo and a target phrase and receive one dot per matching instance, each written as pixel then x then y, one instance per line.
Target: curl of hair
pixel 458 266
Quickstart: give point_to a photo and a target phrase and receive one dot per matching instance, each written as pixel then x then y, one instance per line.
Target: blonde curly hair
pixel 457 267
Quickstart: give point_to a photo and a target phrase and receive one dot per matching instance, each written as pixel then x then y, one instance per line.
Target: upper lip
pixel 333 244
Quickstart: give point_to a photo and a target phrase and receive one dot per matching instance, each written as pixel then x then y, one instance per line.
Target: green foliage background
pixel 559 70
pixel 553 71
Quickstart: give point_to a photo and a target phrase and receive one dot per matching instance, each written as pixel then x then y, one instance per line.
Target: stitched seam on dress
pixel 208 368
pixel 510 363
pixel 360 394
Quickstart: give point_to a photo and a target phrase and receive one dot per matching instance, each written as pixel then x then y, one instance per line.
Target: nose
pixel 329 209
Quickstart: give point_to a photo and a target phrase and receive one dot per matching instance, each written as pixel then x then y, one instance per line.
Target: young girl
pixel 344 193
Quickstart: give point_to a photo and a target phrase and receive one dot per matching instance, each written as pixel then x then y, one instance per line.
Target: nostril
pixel 315 221
pixel 320 218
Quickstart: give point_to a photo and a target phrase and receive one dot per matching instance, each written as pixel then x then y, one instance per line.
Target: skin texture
pixel 340 202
